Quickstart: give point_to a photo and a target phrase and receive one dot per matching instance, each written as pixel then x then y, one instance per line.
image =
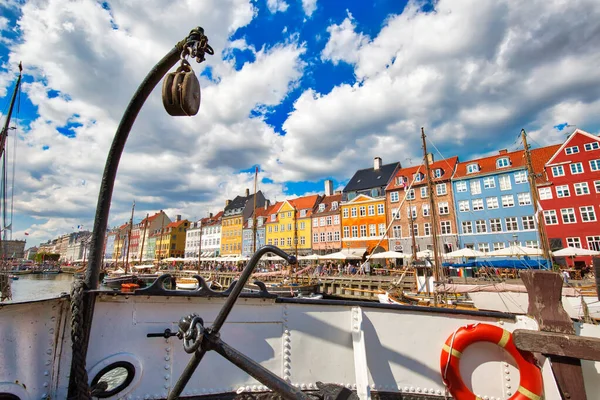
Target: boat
pixel 14 277
pixel 187 283
pixel 235 345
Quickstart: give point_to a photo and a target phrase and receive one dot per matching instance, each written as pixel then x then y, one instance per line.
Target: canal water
pixel 40 286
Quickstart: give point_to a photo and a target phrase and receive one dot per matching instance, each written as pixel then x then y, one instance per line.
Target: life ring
pixel 531 385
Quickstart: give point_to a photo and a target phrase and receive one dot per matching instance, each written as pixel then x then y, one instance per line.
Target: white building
pixel 210 236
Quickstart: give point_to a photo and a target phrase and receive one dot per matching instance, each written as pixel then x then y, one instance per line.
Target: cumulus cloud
pixel 468 71
pixel 277 6
pixel 309 7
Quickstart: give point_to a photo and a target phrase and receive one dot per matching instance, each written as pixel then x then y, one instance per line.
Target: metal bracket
pixel 361 369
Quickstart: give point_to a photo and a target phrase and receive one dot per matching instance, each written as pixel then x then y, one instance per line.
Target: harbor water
pixel 40 286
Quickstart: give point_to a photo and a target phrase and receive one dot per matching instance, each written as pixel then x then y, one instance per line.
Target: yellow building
pixel 289 226
pixel 171 241
pixel 235 214
pixel 120 242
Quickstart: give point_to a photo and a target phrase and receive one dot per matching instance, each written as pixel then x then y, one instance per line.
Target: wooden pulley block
pixel 181 92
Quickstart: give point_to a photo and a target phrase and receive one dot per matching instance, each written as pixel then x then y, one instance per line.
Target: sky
pixel 305 90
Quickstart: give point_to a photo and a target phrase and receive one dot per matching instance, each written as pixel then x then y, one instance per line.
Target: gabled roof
pixel 359 198
pixel 274 209
pixel 327 201
pixel 571 137
pixel 240 201
pixel 215 220
pixel 447 165
pixel 153 217
pixel 487 165
pixel 304 203
pixel 176 224
pixel 371 178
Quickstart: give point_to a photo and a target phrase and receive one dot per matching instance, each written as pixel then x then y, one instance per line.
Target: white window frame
pixel 503 162
pixel 528 222
pixel 520 177
pixel 492 203
pixel 477 204
pixel 563 191
pixel 524 198
pixel 461 186
pixel 591 146
pixel 574 242
pixel 550 217
pixel 495 225
pixel 577 168
pixel 572 150
pixel 394 197
pixel 508 200
pixel 424 193
pixel 595 165
pixel 472 168
pixel 464 206
pixel 380 209
pixel 545 193
pixel 440 189
pixel 568 215
pixel 489 182
pixel 558 170
pixel 581 188
pixel 446 227
pixel 587 212
pixel 512 224
pixel 504 182
pixel 475 186
pixel 467 227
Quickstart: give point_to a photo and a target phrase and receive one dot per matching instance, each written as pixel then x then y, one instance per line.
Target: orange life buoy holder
pixel 531 385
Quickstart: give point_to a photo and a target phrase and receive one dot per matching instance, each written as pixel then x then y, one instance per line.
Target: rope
pixel 79 376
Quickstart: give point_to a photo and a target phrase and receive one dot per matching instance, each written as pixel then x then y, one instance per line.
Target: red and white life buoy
pixel 531 385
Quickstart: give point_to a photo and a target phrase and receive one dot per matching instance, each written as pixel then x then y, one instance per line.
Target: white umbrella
pixel 515 251
pixel 425 253
pixel 389 254
pixel 466 252
pixel 310 257
pixel 574 252
pixel 340 255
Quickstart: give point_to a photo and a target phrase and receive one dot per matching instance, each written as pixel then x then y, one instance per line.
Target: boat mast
pixel 531 177
pixel 144 237
pixel 129 237
pixel 3 136
pixel 115 249
pixel 254 213
pixel 414 243
pixel 200 246
pixel 434 224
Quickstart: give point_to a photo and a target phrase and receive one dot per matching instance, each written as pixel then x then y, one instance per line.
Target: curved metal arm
pixel 224 313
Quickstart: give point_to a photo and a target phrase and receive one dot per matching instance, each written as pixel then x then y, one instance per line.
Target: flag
pixel 26 233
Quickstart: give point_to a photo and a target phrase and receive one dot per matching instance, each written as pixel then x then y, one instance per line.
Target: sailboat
pixel 168 344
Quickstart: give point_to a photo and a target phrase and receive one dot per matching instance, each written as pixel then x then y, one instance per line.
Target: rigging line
pixel 14 163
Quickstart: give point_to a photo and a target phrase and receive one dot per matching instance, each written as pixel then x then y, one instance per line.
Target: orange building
pixel 363 209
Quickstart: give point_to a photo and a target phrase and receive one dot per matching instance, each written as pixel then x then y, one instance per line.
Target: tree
pixel 41 257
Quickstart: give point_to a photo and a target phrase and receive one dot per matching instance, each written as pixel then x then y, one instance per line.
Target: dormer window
pixel 334 205
pixel 472 168
pixel 418 177
pixel 302 213
pixel 321 207
pixel 273 217
pixel 502 162
pixel 438 172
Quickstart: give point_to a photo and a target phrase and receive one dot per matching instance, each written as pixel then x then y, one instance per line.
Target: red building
pixel 570 199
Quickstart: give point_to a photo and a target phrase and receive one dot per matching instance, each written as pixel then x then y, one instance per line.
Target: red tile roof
pixel 447 165
pixel 176 224
pixel 305 203
pixel 487 165
pixel 328 200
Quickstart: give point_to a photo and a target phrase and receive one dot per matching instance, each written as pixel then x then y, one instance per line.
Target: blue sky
pixel 307 90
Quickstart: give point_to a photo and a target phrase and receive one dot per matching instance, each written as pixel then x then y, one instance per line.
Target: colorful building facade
pixel 235 214
pixel 289 228
pixel 250 245
pixel 326 223
pixel 408 208
pixel 570 199
pixel 171 240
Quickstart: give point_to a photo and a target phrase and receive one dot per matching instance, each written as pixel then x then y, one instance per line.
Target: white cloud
pixel 277 6
pixel 309 6
pixel 472 73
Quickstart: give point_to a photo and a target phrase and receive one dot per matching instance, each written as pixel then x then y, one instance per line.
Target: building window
pixel 581 188
pixel 597 186
pixel 475 187
pixel 440 189
pixel 424 193
pixel 355 231
pixel 472 168
pixel 302 241
pixel 419 177
pixel 572 150
pixel 329 220
pixel 416 230
pixel 591 146
pixel 492 203
pixel 484 247
pixel 550 217
pixel 410 195
pixel 511 224
pixel 380 209
pixel 394 197
pixel 289 242
pixel 593 242
pixel 289 214
pixel 302 213
pixel 315 223
pixel 438 172
pixel 527 222
pixel 558 170
pixel 467 227
pixel 336 236
pixel 362 211
pixel 353 212
pixel 302 226
pixel 502 162
pixel 397 231
pixel 371 210
pixel 489 182
pixel 446 227
pixel 568 215
pixel 545 193
pixel 282 228
pixel 577 168
pixel 505 182
pixel 562 191
pixel 381 229
pixel 425 210
pixel 595 165
pixel 336 219
pixel 372 230
pixel 477 204
pixel 315 238
pixel 276 228
pixel 524 199
pixel 346 231
pixel 321 207
pixel 276 241
pixel 363 230
pixel 587 214
pixel 480 226
pixel 427 229
pixel 574 242
pixel 461 186
pixel 345 213
pixel 508 200
pixel 322 237
pixel 412 212
pixel 463 205
pixel 520 177
pixel 499 246
pixel 443 208
pixel 495 225
pixel 334 205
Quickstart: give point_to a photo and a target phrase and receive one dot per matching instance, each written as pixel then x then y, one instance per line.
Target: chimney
pixel 247 192
pixel 328 187
pixel 267 204
pixel 503 151
pixel 227 202
pixel 377 163
pixel 210 215
pixel 430 158
pixel 338 192
pixel 178 217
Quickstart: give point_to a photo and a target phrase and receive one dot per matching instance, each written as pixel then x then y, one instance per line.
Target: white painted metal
pixel 389 350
